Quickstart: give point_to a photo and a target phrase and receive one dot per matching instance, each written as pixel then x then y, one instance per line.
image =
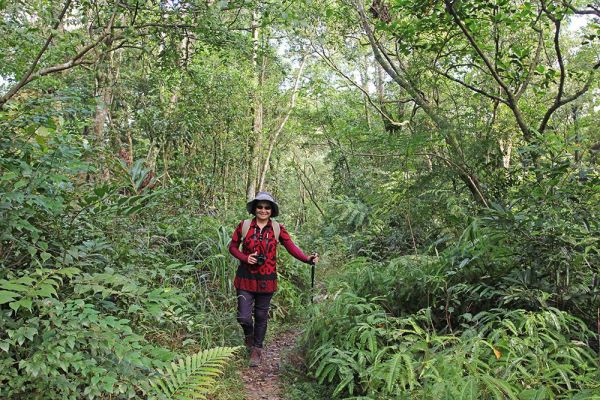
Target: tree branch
pixel 385 62
pixel 534 63
pixel 512 101
pixel 470 87
pixel 27 77
pixel 568 99
pixel 592 11
pixel 155 25
pixel 443 124
pixel 559 58
pixel 464 174
pixel 310 194
pixel 475 46
pixel 559 101
pixel 74 61
pixel 330 62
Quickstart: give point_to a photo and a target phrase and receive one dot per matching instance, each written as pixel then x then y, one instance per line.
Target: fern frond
pixel 193 376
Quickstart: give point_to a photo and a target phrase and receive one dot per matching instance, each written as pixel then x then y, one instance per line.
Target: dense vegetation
pixel 442 156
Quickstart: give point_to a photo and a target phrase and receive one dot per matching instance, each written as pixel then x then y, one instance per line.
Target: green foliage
pixel 403 285
pixel 111 268
pixel 42 283
pixel 352 214
pixel 138 176
pixel 359 348
pixel 69 348
pixel 293 289
pixel 96 287
pixel 192 377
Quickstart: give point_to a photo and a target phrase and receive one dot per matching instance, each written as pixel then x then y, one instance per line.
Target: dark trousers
pixel 253 328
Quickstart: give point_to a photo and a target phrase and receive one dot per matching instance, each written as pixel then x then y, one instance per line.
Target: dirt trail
pixel 263 381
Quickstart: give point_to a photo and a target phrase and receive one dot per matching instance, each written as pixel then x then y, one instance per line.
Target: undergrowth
pixel 367 339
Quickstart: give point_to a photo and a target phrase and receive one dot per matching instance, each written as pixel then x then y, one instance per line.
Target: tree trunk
pixel 364 78
pixel 165 156
pixel 257 120
pixel 104 98
pixel 506 149
pixel 380 86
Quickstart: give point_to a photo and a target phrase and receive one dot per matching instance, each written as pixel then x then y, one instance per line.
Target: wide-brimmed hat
pixel 263 196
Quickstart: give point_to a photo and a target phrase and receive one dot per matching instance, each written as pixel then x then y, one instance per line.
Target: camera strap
pixel 260 238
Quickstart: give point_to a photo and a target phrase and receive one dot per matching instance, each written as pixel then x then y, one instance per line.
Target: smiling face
pixel 263 210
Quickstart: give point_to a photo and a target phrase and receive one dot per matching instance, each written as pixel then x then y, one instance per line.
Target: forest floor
pixel 263 382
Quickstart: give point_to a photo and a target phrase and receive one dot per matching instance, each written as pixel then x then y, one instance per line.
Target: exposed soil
pixel 263 382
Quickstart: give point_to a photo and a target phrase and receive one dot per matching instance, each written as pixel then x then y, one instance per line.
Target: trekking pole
pixel 312 278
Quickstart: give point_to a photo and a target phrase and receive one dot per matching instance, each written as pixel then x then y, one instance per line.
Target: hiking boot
pixel 255 356
pixel 249 342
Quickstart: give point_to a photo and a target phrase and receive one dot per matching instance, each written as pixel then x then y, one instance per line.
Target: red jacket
pixel 254 278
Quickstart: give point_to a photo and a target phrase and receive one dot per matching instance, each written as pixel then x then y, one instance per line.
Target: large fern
pixel 193 376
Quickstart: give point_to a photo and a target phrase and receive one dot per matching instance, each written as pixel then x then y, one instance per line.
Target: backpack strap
pixel 276 229
pixel 246 228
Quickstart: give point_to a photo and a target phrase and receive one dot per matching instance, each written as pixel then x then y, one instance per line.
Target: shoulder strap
pixel 245 228
pixel 276 229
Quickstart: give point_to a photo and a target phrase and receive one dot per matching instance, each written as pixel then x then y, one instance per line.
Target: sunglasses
pixel 263 207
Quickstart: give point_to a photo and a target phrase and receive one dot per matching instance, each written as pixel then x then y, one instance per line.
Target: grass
pixel 297 385
pixel 230 386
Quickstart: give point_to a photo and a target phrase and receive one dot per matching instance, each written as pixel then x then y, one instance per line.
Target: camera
pixel 260 259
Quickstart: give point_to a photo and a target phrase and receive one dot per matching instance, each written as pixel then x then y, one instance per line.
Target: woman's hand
pixel 252 258
pixel 313 258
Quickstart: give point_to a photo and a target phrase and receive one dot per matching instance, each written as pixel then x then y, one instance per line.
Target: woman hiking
pixel 256 277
